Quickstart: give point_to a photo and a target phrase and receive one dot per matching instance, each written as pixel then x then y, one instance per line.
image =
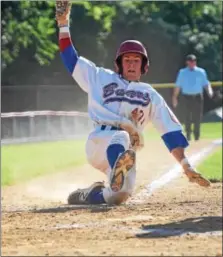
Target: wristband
pixel 184 162
pixel 65 29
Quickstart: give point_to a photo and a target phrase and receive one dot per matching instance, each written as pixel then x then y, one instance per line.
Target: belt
pixel 192 95
pixel 105 127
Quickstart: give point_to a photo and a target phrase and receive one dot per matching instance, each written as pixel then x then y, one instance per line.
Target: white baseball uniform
pixel 111 101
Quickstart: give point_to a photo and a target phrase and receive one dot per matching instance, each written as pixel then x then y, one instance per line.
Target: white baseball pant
pixel 96 147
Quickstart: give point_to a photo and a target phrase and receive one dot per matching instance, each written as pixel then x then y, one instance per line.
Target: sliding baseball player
pixel 120 107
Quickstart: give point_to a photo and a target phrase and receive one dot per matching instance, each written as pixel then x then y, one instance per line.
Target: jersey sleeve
pixel 85 73
pixel 166 123
pixel 68 53
pixel 81 69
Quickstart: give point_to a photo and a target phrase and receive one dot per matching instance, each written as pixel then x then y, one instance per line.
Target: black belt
pixel 192 96
pixel 103 127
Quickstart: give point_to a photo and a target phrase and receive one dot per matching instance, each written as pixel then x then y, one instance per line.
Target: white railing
pixel 32 126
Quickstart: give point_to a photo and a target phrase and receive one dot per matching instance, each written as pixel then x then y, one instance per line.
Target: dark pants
pixel 193 111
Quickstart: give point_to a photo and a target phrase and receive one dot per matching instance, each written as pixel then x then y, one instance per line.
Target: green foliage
pixel 28 25
pixel 200 28
pixel 197 26
pixel 31 25
pixel 101 12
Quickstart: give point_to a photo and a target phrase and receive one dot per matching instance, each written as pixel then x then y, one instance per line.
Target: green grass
pixel 26 161
pixel 23 162
pixel 208 131
pixel 211 167
pixel 211 130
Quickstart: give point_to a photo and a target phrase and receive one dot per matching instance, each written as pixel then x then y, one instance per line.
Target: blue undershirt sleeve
pixel 175 139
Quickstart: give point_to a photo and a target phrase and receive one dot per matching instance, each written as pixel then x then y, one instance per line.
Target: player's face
pixel 191 64
pixel 131 65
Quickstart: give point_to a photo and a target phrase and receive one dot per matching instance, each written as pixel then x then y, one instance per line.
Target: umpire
pixel 191 82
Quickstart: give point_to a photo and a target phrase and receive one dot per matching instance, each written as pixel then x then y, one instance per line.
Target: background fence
pixel 22 127
pixel 67 118
pixel 68 97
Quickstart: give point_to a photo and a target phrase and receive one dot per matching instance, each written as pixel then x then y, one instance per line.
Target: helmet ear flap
pixel 145 66
pixel 118 65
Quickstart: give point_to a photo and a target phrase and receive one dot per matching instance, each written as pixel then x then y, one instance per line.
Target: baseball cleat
pixel 81 196
pixel 124 163
pixel 196 177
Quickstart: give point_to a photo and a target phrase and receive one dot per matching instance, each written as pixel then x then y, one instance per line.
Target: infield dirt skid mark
pixel 179 205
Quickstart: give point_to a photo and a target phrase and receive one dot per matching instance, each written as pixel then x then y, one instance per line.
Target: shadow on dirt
pixel 67 208
pixel 198 225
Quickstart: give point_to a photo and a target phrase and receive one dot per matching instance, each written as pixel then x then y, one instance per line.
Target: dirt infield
pixel 179 219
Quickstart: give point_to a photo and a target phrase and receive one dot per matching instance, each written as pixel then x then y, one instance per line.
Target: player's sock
pixel 96 198
pixel 113 152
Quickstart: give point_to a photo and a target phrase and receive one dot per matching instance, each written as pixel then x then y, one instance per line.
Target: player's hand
pixel 129 127
pixel 196 177
pixel 63 8
pixel 174 102
pixel 136 137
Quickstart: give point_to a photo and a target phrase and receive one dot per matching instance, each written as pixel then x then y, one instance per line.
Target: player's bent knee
pixel 122 138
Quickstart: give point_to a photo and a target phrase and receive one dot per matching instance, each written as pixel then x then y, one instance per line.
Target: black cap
pixel 191 57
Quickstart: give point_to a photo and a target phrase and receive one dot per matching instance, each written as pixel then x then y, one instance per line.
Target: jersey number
pixel 138 115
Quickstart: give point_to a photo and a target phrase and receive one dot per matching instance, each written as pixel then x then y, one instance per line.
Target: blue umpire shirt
pixel 192 81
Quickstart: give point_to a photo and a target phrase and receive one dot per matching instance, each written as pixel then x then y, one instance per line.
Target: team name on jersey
pixel 111 93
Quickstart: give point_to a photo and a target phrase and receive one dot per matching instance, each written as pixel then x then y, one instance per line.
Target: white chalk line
pixel 172 174
pixel 163 180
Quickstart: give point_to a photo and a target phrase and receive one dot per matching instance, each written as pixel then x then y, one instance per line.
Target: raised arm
pixel 81 69
pixel 171 132
pixel 68 52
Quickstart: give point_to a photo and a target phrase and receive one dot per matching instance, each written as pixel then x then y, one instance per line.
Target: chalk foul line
pixel 173 173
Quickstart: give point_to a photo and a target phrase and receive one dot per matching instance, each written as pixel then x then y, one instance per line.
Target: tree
pixel 28 25
pixel 31 25
pixel 200 28
pixel 197 26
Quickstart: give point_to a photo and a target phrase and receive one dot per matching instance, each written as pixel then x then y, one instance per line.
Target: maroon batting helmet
pixel 132 46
